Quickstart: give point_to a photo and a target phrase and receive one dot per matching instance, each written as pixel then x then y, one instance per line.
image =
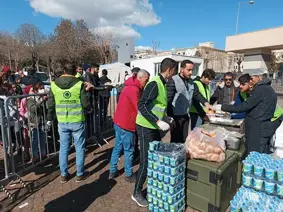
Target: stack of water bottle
pixel 263 173
pixel 166 177
pixel 250 200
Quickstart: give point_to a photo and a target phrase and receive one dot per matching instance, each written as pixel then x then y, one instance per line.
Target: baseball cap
pixel 257 72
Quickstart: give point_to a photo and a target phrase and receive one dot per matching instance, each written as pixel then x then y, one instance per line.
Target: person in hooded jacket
pixel 259 108
pixel 67 100
pixel 125 125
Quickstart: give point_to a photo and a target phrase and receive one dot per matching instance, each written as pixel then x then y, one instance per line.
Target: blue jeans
pixel 38 134
pixel 124 140
pixel 66 131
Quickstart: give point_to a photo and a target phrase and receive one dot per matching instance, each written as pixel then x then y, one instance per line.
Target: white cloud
pixel 115 17
pixel 143 48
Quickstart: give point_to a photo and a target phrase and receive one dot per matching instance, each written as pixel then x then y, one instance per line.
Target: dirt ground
pixel 96 194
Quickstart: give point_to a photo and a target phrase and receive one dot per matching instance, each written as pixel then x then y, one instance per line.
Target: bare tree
pixel 32 38
pixel 11 50
pixel 274 63
pixel 70 42
pixel 155 46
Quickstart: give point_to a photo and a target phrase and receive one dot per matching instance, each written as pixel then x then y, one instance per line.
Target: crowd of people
pixel 174 101
pixel 148 107
pixel 30 106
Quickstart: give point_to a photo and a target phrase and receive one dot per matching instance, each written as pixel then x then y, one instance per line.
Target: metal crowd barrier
pixel 28 141
pixel 99 120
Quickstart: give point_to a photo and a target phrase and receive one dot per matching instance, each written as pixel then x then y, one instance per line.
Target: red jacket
pixel 127 108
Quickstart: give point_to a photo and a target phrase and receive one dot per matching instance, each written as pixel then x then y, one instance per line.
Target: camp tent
pixel 116 72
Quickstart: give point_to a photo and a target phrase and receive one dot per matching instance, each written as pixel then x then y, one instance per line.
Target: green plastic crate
pixel 211 186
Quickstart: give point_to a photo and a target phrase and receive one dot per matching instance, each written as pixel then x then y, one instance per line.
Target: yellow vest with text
pixel 159 105
pixel 68 103
pixel 205 92
pixel 277 113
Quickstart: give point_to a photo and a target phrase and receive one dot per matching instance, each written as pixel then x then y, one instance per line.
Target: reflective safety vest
pixel 78 75
pixel 205 92
pixel 68 103
pixel 159 105
pixel 244 95
pixel 278 110
pixel 277 114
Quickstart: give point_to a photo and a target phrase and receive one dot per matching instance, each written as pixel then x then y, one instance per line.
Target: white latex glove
pixel 49 123
pixel 217 107
pixel 168 119
pixel 163 125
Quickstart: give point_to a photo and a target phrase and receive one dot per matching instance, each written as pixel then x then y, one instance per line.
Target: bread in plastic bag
pixel 206 145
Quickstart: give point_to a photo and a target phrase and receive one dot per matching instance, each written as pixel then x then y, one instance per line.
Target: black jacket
pixel 261 103
pixel 93 79
pixel 259 108
pixel 66 82
pixel 197 97
pixel 218 94
pixel 103 81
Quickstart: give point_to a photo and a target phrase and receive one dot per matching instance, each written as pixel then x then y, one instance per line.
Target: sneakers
pixel 140 200
pixel 83 177
pixel 113 175
pixel 64 179
pixel 131 179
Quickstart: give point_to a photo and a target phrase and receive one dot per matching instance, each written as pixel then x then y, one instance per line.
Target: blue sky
pixel 184 23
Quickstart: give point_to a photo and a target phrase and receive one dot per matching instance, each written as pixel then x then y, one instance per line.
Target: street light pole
pixel 238 15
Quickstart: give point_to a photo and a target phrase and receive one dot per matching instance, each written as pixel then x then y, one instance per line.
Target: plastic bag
pixel 211 136
pixel 176 152
pixel 207 145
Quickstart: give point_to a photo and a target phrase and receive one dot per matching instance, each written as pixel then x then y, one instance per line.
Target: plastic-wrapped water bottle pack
pixel 263 173
pixel 166 177
pixel 249 200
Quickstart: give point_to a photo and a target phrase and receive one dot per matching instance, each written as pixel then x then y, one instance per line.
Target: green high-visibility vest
pixel 78 75
pixel 244 95
pixel 277 113
pixel 159 105
pixel 205 92
pixel 68 103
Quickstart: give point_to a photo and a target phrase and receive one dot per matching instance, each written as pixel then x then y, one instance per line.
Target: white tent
pixel 116 72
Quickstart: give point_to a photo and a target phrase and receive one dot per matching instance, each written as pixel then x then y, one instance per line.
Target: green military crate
pixel 240 152
pixel 211 186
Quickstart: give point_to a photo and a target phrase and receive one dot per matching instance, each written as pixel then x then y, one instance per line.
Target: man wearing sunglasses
pixel 227 91
pixel 259 108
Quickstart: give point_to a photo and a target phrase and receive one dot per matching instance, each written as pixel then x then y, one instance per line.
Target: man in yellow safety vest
pixel 67 100
pixel 202 84
pixel 150 120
